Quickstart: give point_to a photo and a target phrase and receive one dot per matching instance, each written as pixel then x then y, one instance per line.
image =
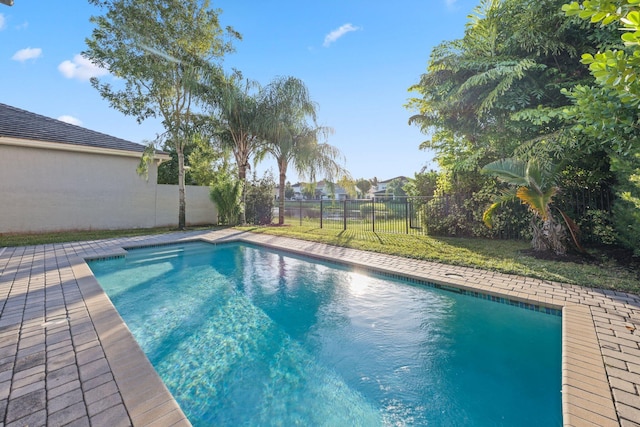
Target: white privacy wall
pixel 56 190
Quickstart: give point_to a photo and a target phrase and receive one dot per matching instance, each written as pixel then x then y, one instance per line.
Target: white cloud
pixel 70 119
pixel 2 22
pixel 336 34
pixel 451 4
pixel 80 68
pixel 26 54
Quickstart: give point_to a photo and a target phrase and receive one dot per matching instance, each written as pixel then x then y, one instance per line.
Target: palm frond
pixel 537 201
pixel 511 171
pixel 506 196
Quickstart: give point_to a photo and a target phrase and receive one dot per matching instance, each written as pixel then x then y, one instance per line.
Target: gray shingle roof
pixel 17 123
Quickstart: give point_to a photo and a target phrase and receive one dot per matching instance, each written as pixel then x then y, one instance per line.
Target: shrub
pixel 260 200
pixel 225 193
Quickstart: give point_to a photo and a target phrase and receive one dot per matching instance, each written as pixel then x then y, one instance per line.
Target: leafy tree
pixel 424 184
pixel 515 57
pixel 395 188
pixel 309 191
pixel 203 162
pixel 364 185
pixel 168 171
pixel 606 117
pixel 259 203
pixel 348 185
pixel 616 69
pixel 292 134
pixel 159 50
pixel 288 191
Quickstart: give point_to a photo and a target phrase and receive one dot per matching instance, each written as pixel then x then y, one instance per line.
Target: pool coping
pixel 592 391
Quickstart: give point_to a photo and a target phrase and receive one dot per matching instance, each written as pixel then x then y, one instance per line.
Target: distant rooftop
pixel 22 124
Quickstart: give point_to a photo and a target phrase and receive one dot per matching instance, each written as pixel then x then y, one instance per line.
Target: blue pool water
pixel 247 336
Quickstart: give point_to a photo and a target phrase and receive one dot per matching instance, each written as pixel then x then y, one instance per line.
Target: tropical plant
pixel 158 50
pixel 534 183
pixel 292 135
pixel 225 193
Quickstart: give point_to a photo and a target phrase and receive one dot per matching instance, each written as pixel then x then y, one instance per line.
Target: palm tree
pixel 534 184
pixel 291 135
pixel 237 116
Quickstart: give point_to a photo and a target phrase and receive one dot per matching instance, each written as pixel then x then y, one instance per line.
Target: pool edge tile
pixel 136 379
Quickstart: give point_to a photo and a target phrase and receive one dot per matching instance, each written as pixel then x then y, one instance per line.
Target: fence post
pixel 344 215
pixel 300 213
pixel 406 213
pixel 373 214
pixel 321 213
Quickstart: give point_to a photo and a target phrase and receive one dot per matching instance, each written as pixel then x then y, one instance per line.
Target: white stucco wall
pixel 200 209
pixel 52 190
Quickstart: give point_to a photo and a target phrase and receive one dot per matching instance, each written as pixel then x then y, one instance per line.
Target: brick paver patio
pixel 66 358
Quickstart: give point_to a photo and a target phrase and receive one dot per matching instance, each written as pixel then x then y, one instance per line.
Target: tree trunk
pixel 242 174
pixel 181 190
pixel 549 237
pixel 283 178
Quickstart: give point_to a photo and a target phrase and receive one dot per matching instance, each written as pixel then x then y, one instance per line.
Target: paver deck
pixel 66 357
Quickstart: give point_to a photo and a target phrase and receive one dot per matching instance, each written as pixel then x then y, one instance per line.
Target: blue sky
pixel 357 57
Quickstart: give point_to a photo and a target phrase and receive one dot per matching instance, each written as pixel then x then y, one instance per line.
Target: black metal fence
pixel 444 215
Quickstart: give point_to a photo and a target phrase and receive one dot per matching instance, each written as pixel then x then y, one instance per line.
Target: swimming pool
pixel 246 336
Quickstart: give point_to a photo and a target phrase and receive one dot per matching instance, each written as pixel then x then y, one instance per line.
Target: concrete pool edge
pixel 145 397
pixel 597 388
pixel 585 388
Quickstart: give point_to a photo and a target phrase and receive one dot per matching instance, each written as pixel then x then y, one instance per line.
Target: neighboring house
pixel 322 191
pixel 55 176
pixel 381 189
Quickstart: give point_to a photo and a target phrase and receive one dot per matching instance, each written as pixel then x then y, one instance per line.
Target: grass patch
pixel 505 256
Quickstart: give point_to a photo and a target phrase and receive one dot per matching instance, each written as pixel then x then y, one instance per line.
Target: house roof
pixel 22 124
pixel 404 178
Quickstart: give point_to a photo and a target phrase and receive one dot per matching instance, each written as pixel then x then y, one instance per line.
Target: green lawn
pixel 496 255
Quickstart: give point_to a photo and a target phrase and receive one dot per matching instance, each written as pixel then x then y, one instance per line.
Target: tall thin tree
pixel 236 115
pixel 159 50
pixel 292 135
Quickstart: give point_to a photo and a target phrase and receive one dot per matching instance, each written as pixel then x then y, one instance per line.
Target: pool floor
pixel 247 336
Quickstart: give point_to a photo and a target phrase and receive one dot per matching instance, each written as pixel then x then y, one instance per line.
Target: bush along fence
pixel 443 215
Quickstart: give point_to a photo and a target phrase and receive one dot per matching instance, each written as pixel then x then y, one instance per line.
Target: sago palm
pixel 534 184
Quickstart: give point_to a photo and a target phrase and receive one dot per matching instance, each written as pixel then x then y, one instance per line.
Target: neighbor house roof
pixel 404 178
pixel 20 124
